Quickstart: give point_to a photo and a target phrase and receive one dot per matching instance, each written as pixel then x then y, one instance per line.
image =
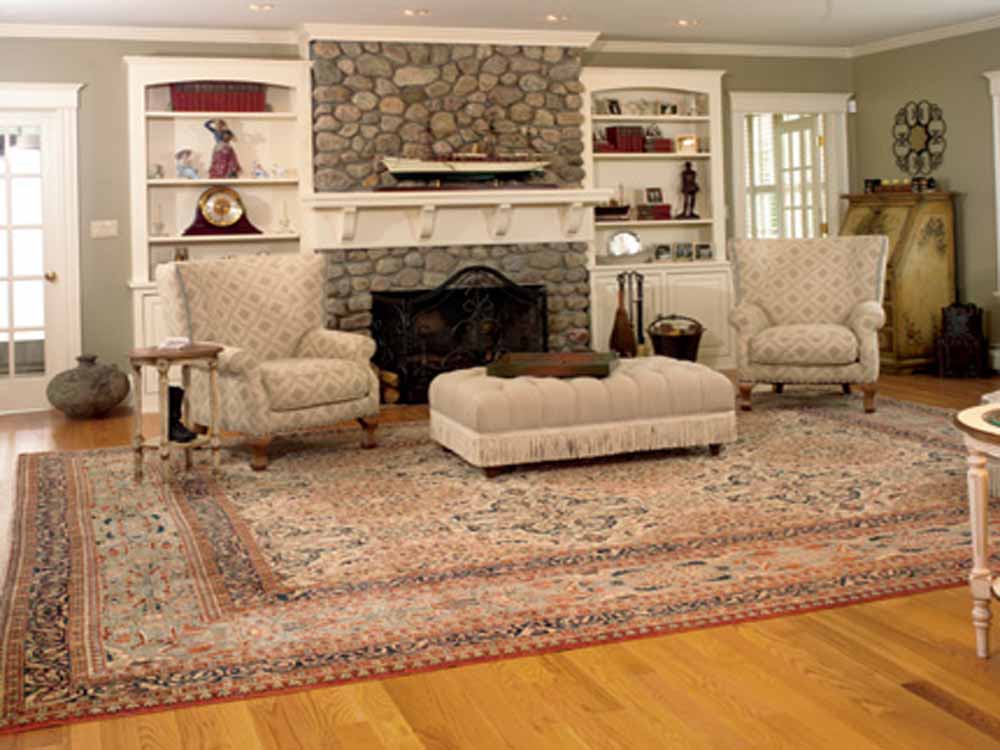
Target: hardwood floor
pixel 899 673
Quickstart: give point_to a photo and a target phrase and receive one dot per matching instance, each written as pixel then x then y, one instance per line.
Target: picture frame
pixel 683 251
pixel 704 251
pixel 668 108
pixel 663 252
pixel 654 195
pixel 614 107
pixel 687 144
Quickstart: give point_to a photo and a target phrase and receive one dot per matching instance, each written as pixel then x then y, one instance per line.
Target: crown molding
pixel 148 33
pixel 445 35
pixel 612 46
pixel 923 37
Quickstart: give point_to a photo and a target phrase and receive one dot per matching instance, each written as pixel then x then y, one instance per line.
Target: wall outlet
pixel 103 228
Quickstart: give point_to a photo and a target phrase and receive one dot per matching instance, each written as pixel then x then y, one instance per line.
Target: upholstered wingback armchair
pixel 809 311
pixel 280 369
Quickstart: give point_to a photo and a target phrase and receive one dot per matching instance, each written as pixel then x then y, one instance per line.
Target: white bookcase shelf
pixel 181 182
pixel 167 115
pixel 217 239
pixel 701 289
pixel 650 155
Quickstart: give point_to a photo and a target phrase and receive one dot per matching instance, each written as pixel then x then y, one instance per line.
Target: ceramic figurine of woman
pixel 185 169
pixel 689 189
pixel 225 165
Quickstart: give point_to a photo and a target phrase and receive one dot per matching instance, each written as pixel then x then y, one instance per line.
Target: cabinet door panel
pixel 706 297
pixel 604 305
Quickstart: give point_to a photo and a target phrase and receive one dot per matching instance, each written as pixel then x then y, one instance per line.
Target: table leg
pixel 213 428
pixel 163 368
pixel 979 578
pixel 186 411
pixel 137 419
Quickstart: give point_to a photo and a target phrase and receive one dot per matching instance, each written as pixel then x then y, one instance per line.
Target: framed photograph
pixel 703 251
pixel 614 107
pixel 667 108
pixel 662 252
pixel 683 250
pixel 687 144
pixel 654 195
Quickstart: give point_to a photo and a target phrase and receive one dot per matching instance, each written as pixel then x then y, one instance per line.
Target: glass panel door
pixel 22 274
pixel 785 175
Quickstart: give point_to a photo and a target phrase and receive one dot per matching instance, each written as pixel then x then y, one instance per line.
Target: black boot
pixel 178 432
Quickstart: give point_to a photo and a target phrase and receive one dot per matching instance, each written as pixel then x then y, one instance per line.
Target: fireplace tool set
pixel 627 335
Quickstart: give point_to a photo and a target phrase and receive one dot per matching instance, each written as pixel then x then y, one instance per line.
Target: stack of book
pixel 218 96
pixel 628 138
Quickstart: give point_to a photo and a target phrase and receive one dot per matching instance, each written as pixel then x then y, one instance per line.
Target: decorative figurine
pixel 690 189
pixel 278 171
pixel 225 165
pixel 259 172
pixel 155 172
pixel 185 169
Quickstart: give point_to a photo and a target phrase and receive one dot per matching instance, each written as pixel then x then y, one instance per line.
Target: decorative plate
pixel 221 206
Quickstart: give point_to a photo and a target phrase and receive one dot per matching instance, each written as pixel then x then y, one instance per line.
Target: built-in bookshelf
pixel 679 116
pixel 271 145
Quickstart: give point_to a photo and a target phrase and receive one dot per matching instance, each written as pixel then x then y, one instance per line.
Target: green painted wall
pixel 103 139
pixel 948 73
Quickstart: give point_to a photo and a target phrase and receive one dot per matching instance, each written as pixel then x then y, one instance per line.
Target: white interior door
pixel 37 319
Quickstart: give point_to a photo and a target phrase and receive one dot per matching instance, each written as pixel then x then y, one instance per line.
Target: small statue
pixel 185 169
pixel 259 172
pixel 225 165
pixel 278 171
pixel 155 172
pixel 690 189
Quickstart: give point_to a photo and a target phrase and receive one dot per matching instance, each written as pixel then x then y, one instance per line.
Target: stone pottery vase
pixel 89 389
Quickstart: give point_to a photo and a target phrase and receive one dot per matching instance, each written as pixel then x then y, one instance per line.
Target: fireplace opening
pixel 473 317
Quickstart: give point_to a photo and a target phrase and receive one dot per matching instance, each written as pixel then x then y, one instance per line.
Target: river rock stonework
pixel 376 99
pixel 562 268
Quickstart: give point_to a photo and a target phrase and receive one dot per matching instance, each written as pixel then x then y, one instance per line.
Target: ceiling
pixel 835 23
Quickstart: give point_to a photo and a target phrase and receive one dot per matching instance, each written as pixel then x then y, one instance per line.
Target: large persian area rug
pixel 339 564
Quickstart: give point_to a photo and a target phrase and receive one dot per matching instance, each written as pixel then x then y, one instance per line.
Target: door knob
pixel 51 276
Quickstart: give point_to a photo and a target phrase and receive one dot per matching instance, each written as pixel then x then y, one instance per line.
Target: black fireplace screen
pixel 474 316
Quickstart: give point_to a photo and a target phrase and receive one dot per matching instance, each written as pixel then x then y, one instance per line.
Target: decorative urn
pixel 89 389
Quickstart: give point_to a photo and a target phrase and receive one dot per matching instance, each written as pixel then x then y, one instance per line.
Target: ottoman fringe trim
pixel 585 441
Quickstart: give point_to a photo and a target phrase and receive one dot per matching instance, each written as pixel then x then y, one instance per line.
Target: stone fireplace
pixel 431 100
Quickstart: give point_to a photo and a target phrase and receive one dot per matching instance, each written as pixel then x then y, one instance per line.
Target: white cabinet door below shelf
pixel 705 296
pixel 604 304
pixel 153 332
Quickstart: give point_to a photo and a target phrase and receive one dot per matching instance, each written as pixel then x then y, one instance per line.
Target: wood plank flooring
pixel 899 673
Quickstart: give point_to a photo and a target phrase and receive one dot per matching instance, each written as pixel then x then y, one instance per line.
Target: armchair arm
pixel 232 361
pixel 323 343
pixel 866 318
pixel 748 319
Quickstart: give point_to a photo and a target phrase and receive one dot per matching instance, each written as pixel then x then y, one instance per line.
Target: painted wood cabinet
pixel 702 291
pixel 920 278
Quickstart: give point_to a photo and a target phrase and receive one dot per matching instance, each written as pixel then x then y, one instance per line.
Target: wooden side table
pixel 982 440
pixel 162 360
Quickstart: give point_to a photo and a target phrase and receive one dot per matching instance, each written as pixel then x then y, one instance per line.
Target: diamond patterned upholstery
pixel 281 370
pixel 808 311
pixel 813 344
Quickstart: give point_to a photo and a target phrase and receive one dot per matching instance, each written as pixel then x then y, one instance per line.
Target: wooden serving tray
pixel 553 364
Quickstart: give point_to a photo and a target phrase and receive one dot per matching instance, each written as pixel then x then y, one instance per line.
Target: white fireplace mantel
pixel 449 217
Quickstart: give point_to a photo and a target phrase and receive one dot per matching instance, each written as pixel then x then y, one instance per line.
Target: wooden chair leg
pixel 258 458
pixel 745 390
pixel 847 388
pixel 870 390
pixel 368 437
pixel 779 387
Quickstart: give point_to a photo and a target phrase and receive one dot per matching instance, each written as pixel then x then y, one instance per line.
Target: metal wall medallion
pixel 918 141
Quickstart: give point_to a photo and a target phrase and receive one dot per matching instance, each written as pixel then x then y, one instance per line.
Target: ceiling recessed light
pixel 261 7
pixel 554 18
pixel 687 23
pixel 416 12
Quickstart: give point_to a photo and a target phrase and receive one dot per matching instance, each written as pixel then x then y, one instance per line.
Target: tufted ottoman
pixel 645 404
